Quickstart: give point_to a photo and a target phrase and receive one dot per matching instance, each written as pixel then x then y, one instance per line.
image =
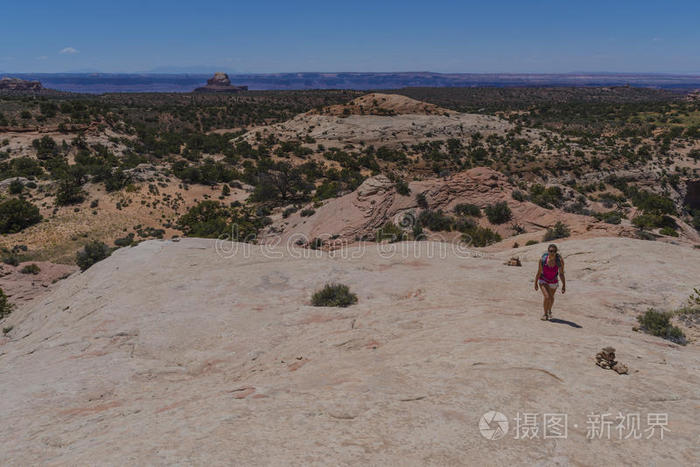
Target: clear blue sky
pixel 283 36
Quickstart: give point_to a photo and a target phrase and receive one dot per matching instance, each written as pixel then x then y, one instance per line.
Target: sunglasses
pixel 552 251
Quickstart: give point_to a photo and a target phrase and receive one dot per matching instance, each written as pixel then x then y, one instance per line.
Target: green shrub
pixel 391 232
pixel 125 241
pixel 644 235
pixel 402 187
pixel 45 147
pixel 17 214
pixel 92 253
pixel 467 209
pixel 435 221
pixel 334 295
pixel 211 219
pixel 668 231
pixel 10 257
pixel 498 213
pixel 417 232
pixel 31 269
pixel 288 212
pixel 208 219
pixel 610 217
pixel 16 187
pixel 531 242
pixel 549 197
pixel 421 201
pixel 307 212
pixel 518 195
pixel 316 243
pixel 658 323
pixel 481 236
pixel 69 192
pixel 560 230
pixel 5 305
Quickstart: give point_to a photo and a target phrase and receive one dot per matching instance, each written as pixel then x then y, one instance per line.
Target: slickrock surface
pixel 359 214
pixel 171 353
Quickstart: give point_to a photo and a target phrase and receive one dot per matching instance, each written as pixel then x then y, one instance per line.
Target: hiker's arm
pixel 563 276
pixel 539 273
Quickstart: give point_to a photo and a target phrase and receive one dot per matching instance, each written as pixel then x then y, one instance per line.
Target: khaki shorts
pixel 551 286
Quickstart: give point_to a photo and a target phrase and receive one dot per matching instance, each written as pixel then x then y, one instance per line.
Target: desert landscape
pixel 135 341
pixel 384 234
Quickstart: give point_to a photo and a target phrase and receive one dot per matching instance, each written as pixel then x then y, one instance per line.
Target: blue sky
pixel 284 36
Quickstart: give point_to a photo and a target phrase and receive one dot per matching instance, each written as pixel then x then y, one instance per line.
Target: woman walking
pixel 551 267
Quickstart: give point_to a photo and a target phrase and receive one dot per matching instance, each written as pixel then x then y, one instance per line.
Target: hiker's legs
pixel 545 294
pixel 550 291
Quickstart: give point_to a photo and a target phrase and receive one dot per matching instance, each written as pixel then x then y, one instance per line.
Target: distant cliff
pixel 16 84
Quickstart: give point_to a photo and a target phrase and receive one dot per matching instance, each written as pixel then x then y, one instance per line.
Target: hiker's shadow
pixel 563 321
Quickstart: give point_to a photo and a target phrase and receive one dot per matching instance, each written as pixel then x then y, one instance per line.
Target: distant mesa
pixel 220 83
pixel 16 84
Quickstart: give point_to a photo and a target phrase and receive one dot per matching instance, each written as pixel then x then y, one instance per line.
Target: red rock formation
pixel 220 82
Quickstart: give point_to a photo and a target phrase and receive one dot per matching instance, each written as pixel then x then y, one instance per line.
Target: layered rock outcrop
pixel 16 84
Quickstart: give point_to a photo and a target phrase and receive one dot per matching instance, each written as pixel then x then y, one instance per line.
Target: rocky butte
pixel 16 84
pixel 220 82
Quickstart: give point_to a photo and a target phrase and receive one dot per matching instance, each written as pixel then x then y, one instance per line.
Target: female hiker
pixel 551 267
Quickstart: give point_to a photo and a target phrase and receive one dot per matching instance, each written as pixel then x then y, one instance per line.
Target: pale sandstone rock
pixel 170 353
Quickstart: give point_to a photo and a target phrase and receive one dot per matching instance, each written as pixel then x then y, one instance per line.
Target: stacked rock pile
pixel 606 360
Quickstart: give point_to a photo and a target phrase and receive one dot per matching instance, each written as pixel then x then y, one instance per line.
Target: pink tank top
pixel 549 273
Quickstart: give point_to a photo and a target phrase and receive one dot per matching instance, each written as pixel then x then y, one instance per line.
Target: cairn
pixel 606 360
pixel 514 262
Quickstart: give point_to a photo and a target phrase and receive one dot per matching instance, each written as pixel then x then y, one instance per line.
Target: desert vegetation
pixel 334 295
pixel 198 165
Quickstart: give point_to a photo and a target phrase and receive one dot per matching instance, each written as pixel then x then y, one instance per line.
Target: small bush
pixel 481 236
pixel 652 221
pixel 549 197
pixel 17 214
pixel 658 323
pixel 10 257
pixel 668 231
pixel 610 217
pixel 518 195
pixel 421 201
pixel 5 305
pixel 402 187
pixel 334 295
pixel 467 209
pixel 125 241
pixel 92 253
pixel 16 187
pixel 288 212
pixel 31 269
pixel 531 242
pixel 498 213
pixel 307 212
pixel 435 221
pixel 560 230
pixel 390 232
